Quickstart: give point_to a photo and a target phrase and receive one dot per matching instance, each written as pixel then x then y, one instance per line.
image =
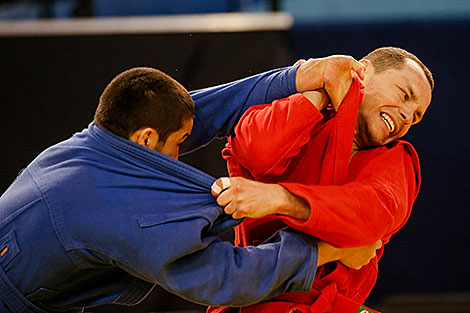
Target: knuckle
pixel 242 209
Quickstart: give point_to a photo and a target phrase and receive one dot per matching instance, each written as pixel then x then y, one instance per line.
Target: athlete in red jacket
pixel 353 182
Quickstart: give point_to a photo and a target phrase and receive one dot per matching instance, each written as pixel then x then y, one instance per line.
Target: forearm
pixel 326 253
pixel 319 98
pixel 219 108
pixel 225 275
pixel 291 205
pixel 248 198
pixel 374 205
pixel 351 215
pixel 354 258
pixel 258 144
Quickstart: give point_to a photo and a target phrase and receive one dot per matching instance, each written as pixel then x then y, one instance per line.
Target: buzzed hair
pixel 392 57
pixel 144 97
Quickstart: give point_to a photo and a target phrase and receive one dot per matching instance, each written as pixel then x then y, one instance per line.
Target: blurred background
pixel 57 56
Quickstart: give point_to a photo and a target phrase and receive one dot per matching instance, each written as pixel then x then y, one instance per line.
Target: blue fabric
pixel 12 298
pixel 98 219
pixel 219 108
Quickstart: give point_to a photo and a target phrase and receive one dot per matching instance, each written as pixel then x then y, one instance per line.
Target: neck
pixel 355 148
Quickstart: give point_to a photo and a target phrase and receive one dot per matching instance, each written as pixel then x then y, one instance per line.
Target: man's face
pixel 172 144
pixel 394 100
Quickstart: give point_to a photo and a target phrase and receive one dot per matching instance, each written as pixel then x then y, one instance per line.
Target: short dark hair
pixel 144 97
pixel 392 57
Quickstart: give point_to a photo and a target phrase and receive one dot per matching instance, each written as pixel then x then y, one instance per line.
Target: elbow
pixel 256 162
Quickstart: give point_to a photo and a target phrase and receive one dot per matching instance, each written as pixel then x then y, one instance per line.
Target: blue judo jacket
pixel 100 219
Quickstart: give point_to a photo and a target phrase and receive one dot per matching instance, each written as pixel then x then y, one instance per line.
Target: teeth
pixel 388 121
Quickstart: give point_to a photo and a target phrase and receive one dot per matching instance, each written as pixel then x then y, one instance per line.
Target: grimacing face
pixel 394 100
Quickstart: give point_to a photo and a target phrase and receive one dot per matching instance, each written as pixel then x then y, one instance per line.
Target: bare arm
pixel 248 198
pixel 351 257
pixel 319 98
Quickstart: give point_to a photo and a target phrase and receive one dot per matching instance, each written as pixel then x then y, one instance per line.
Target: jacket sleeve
pixel 217 273
pixel 273 133
pixel 373 206
pixel 219 108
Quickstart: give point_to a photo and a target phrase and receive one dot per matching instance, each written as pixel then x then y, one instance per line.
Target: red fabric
pixel 352 203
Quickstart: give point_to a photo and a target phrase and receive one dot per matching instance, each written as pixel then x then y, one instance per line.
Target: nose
pixel 406 113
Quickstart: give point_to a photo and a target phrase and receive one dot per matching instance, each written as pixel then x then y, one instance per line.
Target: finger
pixel 220 185
pixel 216 188
pixel 301 61
pixel 230 208
pixel 337 98
pixel 359 68
pixel 224 198
pixel 358 266
pixel 237 215
pixel 378 244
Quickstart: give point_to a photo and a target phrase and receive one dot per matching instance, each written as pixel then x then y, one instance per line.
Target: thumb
pixel 378 244
pixel 359 68
pixel 301 61
pixel 337 97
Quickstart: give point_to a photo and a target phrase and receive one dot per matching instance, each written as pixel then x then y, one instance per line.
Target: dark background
pixel 49 88
pixel 430 254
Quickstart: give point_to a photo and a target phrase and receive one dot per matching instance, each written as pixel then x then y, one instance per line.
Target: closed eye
pixel 408 94
pixel 405 95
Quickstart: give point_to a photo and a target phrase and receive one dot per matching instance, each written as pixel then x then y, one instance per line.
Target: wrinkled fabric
pixel 100 219
pixel 219 108
pixel 353 203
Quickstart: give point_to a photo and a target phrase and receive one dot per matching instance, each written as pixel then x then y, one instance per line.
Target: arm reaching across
pixel 296 116
pixel 388 184
pixel 219 108
pixel 242 197
pixel 351 257
pixel 202 277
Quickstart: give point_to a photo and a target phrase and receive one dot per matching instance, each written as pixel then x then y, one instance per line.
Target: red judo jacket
pixel 352 203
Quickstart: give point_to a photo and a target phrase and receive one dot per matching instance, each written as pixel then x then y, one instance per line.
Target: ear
pixel 145 136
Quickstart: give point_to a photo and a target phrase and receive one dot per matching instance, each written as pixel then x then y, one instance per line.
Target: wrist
pixel 310 75
pixel 326 253
pixel 294 70
pixel 319 98
pixel 292 205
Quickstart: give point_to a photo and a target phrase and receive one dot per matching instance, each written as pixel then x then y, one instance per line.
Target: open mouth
pixel 388 121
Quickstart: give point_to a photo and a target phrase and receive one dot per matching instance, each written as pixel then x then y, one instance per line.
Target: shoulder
pixel 405 148
pixel 399 148
pixel 397 157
